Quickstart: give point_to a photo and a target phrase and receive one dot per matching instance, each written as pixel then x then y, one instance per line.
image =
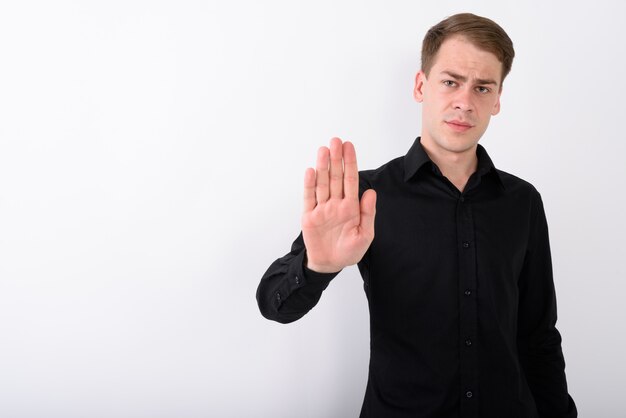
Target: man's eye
pixel 483 90
pixel 449 83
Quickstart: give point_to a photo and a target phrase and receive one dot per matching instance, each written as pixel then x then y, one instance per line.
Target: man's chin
pixel 455 143
pixel 460 145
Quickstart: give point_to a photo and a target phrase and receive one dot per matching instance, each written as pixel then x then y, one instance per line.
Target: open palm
pixel 336 227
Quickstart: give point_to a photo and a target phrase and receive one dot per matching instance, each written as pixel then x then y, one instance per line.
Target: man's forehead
pixel 461 58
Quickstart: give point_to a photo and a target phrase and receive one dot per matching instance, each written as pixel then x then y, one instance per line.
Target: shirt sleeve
pixel 539 342
pixel 288 290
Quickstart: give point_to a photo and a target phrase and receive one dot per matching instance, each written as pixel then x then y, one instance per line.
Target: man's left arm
pixel 539 342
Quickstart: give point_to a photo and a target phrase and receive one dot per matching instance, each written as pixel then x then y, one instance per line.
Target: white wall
pixel 151 163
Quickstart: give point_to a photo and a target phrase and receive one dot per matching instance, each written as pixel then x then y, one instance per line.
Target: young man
pixel 458 278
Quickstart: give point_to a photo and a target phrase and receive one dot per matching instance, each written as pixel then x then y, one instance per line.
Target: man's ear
pixel 418 90
pixel 496 106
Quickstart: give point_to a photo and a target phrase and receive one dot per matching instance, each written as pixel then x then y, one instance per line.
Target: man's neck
pixel 455 166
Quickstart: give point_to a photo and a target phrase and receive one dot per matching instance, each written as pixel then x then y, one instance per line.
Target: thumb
pixel 368 210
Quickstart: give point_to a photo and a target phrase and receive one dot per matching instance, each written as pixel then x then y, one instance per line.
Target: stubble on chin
pixel 450 142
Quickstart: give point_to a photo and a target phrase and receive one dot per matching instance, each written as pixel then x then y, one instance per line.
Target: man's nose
pixel 463 100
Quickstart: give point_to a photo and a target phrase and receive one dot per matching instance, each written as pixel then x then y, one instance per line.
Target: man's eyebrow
pixel 462 78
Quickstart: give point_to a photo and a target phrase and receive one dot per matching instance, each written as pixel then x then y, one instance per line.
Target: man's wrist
pixel 318 268
pixel 321 269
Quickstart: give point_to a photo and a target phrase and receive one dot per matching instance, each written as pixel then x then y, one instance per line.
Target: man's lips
pixel 458 126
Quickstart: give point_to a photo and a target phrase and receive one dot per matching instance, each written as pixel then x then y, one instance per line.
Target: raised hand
pixel 336 227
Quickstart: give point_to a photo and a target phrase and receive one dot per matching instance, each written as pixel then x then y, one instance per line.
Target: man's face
pixel 459 96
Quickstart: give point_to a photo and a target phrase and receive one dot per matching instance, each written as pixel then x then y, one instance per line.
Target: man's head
pixel 483 33
pixel 465 58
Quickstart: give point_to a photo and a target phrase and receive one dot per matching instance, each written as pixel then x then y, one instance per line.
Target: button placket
pixel 468 305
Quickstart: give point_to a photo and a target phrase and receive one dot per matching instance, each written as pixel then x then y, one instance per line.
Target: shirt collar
pixel 417 157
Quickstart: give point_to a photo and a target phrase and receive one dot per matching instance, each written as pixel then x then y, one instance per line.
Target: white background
pixel 151 164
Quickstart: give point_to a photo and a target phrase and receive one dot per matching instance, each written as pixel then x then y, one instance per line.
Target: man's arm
pixel 337 230
pixel 288 289
pixel 539 342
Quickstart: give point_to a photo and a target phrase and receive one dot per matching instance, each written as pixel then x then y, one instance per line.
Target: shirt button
pixel 278 297
pixel 297 280
pixel 469 394
pixel 468 292
pixel 462 199
pixel 466 244
pixel 468 342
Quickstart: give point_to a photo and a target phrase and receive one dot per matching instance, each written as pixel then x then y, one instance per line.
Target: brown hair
pixel 484 33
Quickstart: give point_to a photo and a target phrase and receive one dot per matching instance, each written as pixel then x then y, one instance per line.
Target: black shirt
pixel 460 292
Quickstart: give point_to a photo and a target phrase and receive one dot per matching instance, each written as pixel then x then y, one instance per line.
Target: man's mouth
pixel 458 125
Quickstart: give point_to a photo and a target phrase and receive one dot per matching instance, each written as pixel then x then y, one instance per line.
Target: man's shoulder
pixel 515 184
pixel 391 169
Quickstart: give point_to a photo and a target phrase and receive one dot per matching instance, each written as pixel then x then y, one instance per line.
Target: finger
pixel 309 190
pixel 351 172
pixel 336 169
pixel 368 211
pixel 321 175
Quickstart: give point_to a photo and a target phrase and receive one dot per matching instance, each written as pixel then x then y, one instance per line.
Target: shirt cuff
pixel 314 276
